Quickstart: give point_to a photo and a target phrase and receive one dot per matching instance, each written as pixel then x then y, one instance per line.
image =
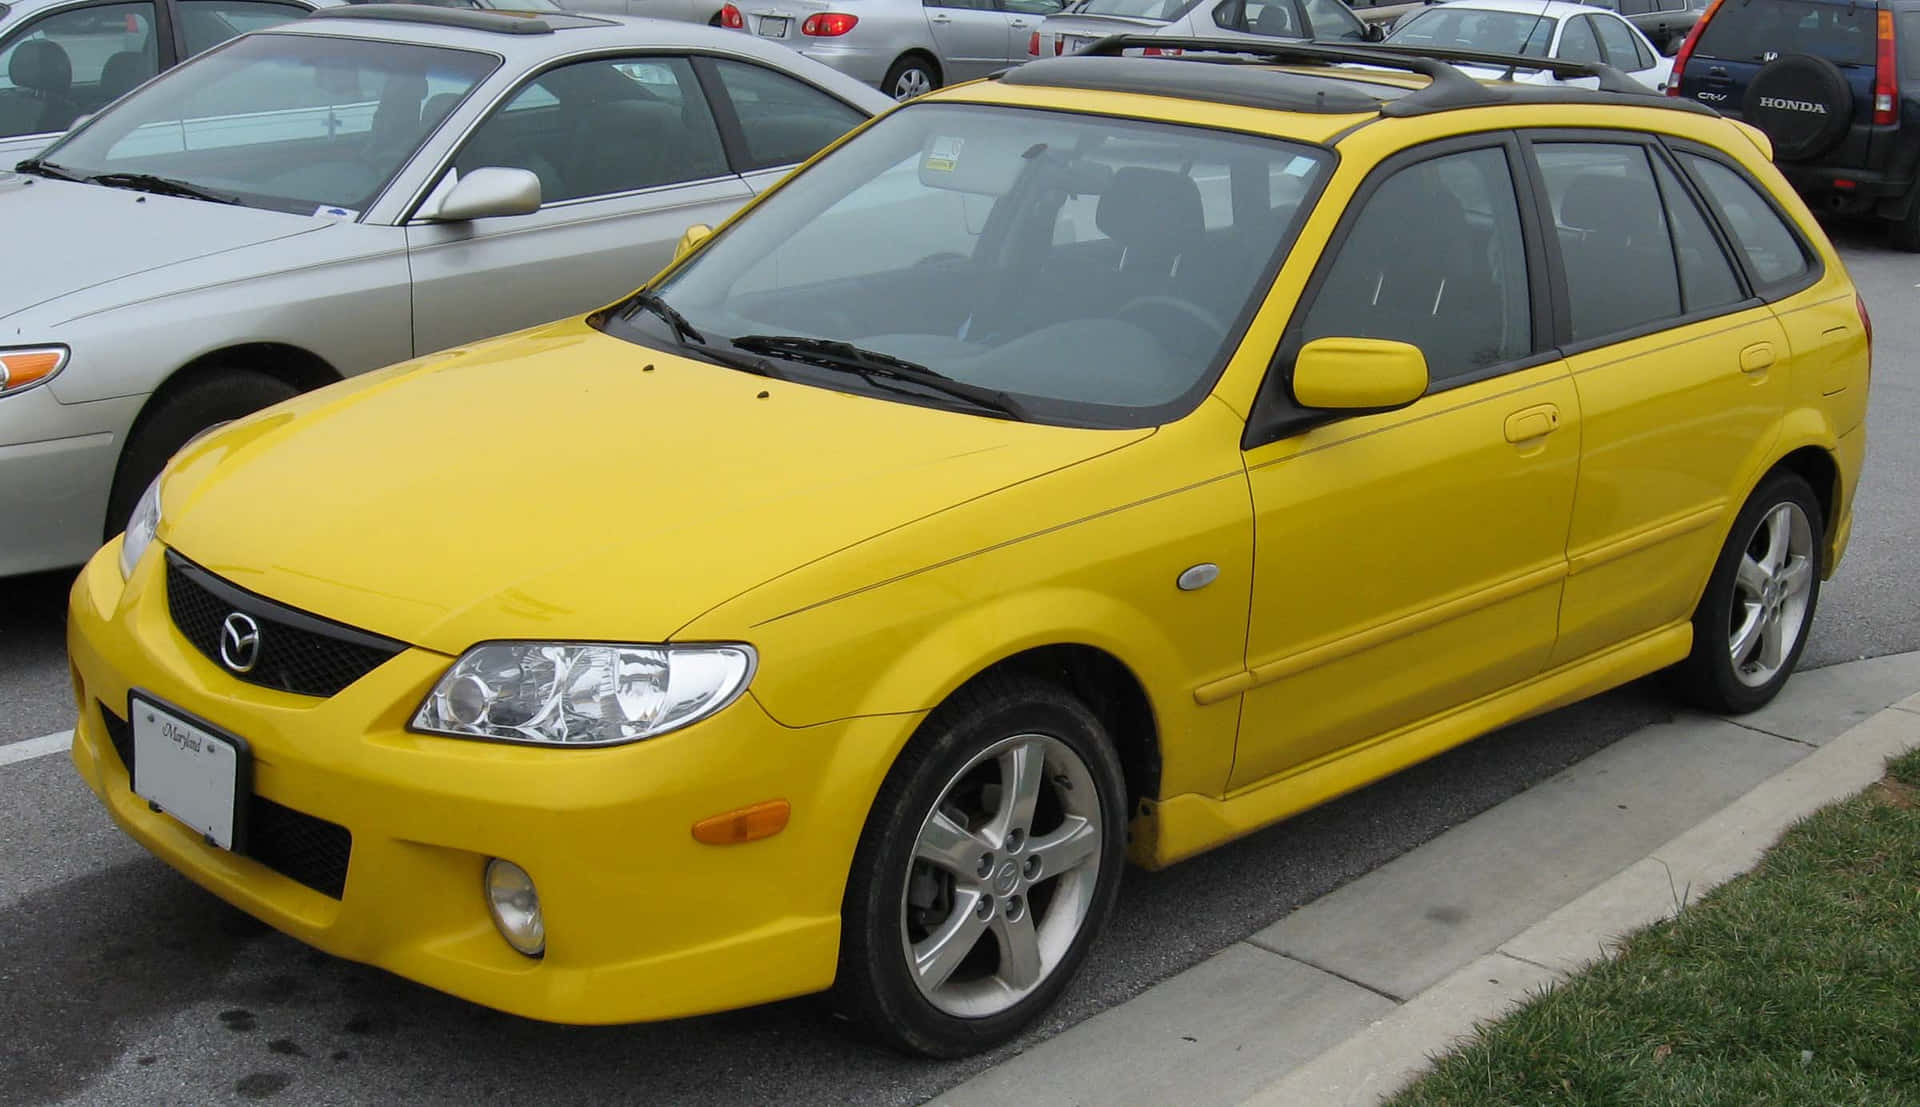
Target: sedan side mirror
pixel 695 235
pixel 1376 33
pixel 487 193
pixel 1359 374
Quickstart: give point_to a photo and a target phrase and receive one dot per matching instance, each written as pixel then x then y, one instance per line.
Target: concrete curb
pixel 1384 1057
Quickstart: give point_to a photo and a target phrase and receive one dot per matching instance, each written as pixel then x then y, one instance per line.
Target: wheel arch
pixel 297 367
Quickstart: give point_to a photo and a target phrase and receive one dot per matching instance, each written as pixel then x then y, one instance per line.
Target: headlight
pixel 582 693
pixel 140 527
pixel 29 366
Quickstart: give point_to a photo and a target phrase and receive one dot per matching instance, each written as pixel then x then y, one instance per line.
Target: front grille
pixel 299 846
pixel 297 652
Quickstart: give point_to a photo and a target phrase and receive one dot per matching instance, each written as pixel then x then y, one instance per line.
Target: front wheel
pixel 1752 622
pixel 217 397
pixel 988 864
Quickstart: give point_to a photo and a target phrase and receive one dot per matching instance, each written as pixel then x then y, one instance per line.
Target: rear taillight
pixel 1886 77
pixel 829 24
pixel 1157 52
pixel 1033 44
pixel 1685 53
pixel 730 17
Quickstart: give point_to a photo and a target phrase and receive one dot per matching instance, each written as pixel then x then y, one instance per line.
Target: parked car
pixel 1836 87
pixel 344 192
pixel 60 60
pixel 685 11
pixel 903 47
pixel 1096 462
pixel 1559 29
pixel 1082 24
pixel 1664 22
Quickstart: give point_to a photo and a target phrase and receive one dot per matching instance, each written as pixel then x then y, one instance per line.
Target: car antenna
pixel 1537 20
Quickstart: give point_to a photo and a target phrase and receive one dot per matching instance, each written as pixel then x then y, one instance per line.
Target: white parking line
pixel 36 747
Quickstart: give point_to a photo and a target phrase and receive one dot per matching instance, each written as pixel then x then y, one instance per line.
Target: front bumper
pixel 642 921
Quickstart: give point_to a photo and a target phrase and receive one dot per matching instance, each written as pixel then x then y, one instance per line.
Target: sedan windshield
pixel 1463 28
pixel 1025 264
pixel 300 123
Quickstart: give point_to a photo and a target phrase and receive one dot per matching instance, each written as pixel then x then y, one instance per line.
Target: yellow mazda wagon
pixel 1095 463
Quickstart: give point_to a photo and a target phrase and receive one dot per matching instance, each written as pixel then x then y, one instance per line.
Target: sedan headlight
pixel 582 693
pixel 141 525
pixel 27 366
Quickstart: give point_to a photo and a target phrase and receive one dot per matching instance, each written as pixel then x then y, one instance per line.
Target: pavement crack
pixel 1337 975
pixel 1769 733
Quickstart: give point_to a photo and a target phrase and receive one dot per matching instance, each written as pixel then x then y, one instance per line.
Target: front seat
pixel 1156 216
pixel 42 77
pixel 124 71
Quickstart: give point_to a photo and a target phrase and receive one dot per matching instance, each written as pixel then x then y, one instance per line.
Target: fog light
pixel 516 907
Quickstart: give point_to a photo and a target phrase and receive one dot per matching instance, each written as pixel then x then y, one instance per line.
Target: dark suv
pixel 1834 83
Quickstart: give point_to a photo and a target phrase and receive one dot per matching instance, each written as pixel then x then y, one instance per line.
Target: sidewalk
pixel 1342 1001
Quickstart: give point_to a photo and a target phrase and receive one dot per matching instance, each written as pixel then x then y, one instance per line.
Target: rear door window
pixel 1619 44
pixel 1578 42
pixel 1707 280
pixel 782 120
pixel 1762 30
pixel 1332 20
pixel 1614 245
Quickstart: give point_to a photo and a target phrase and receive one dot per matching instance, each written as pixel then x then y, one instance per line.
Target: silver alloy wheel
pixel 912 82
pixel 1770 591
pixel 1002 876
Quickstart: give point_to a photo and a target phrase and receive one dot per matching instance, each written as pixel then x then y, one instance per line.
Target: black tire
pixel 875 989
pixel 1707 678
pixel 1802 102
pixel 163 428
pixel 897 74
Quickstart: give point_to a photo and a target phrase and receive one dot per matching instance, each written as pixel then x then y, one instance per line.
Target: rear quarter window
pixel 1758 31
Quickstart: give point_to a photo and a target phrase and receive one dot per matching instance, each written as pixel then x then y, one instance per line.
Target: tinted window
pixel 1579 43
pixel 600 127
pixel 1613 237
pixel 1330 19
pixel 1841 33
pixel 1635 7
pixel 1473 29
pixel 1772 251
pixel 1452 282
pixel 1619 44
pixel 784 121
pixel 62 66
pixel 208 23
pixel 1706 276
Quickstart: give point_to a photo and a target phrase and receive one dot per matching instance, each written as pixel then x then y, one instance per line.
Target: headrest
pixel 40 64
pixel 1151 209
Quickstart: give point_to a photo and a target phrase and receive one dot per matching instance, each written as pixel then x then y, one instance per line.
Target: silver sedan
pixel 1088 20
pixel 343 193
pixel 904 47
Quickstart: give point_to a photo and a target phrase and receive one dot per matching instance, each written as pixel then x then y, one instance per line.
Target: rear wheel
pixel 1752 622
pixel 911 76
pixel 214 398
pixel 988 864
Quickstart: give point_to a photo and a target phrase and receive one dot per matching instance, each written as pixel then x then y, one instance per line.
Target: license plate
pixel 773 26
pixel 186 769
pixel 1071 45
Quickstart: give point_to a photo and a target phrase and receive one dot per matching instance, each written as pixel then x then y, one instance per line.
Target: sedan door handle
pixel 940 19
pixel 1756 357
pixel 1534 422
pixel 1017 23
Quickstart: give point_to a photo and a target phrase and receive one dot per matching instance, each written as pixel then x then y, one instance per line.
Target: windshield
pixel 1163 10
pixel 301 123
pixel 1844 34
pixel 1094 271
pixel 1476 29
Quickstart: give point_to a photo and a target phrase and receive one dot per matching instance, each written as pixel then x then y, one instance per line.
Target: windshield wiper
pixel 878 367
pixel 651 301
pixel 40 167
pixel 160 186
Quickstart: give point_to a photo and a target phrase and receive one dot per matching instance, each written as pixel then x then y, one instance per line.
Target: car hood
pixel 65 237
pixel 561 483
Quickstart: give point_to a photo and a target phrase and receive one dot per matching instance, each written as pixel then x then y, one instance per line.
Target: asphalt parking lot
pixel 124 982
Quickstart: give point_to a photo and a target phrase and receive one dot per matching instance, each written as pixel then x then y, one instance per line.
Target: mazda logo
pixel 240 642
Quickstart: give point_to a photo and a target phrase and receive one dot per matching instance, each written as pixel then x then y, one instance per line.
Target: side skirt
pixel 1184 825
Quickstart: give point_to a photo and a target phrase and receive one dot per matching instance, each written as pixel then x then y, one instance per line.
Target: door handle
pixel 1017 23
pixel 1534 422
pixel 1756 357
pixel 940 19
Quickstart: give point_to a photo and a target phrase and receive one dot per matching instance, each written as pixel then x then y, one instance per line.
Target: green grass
pixel 1797 984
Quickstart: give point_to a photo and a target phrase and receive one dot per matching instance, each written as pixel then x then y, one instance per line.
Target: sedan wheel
pixel 989 861
pixel 1752 620
pixel 908 78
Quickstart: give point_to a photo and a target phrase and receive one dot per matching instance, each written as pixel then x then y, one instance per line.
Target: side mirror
pixel 695 235
pixel 1376 33
pixel 1359 374
pixel 485 194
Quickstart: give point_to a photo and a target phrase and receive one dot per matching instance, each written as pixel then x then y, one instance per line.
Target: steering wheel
pixel 1179 325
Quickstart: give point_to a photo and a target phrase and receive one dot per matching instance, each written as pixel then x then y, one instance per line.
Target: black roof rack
pixel 1097 66
pixel 503 23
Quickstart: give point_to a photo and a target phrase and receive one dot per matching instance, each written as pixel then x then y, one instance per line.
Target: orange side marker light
pixel 748 824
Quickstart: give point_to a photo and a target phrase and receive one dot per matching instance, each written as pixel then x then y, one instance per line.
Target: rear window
pixel 1761 30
